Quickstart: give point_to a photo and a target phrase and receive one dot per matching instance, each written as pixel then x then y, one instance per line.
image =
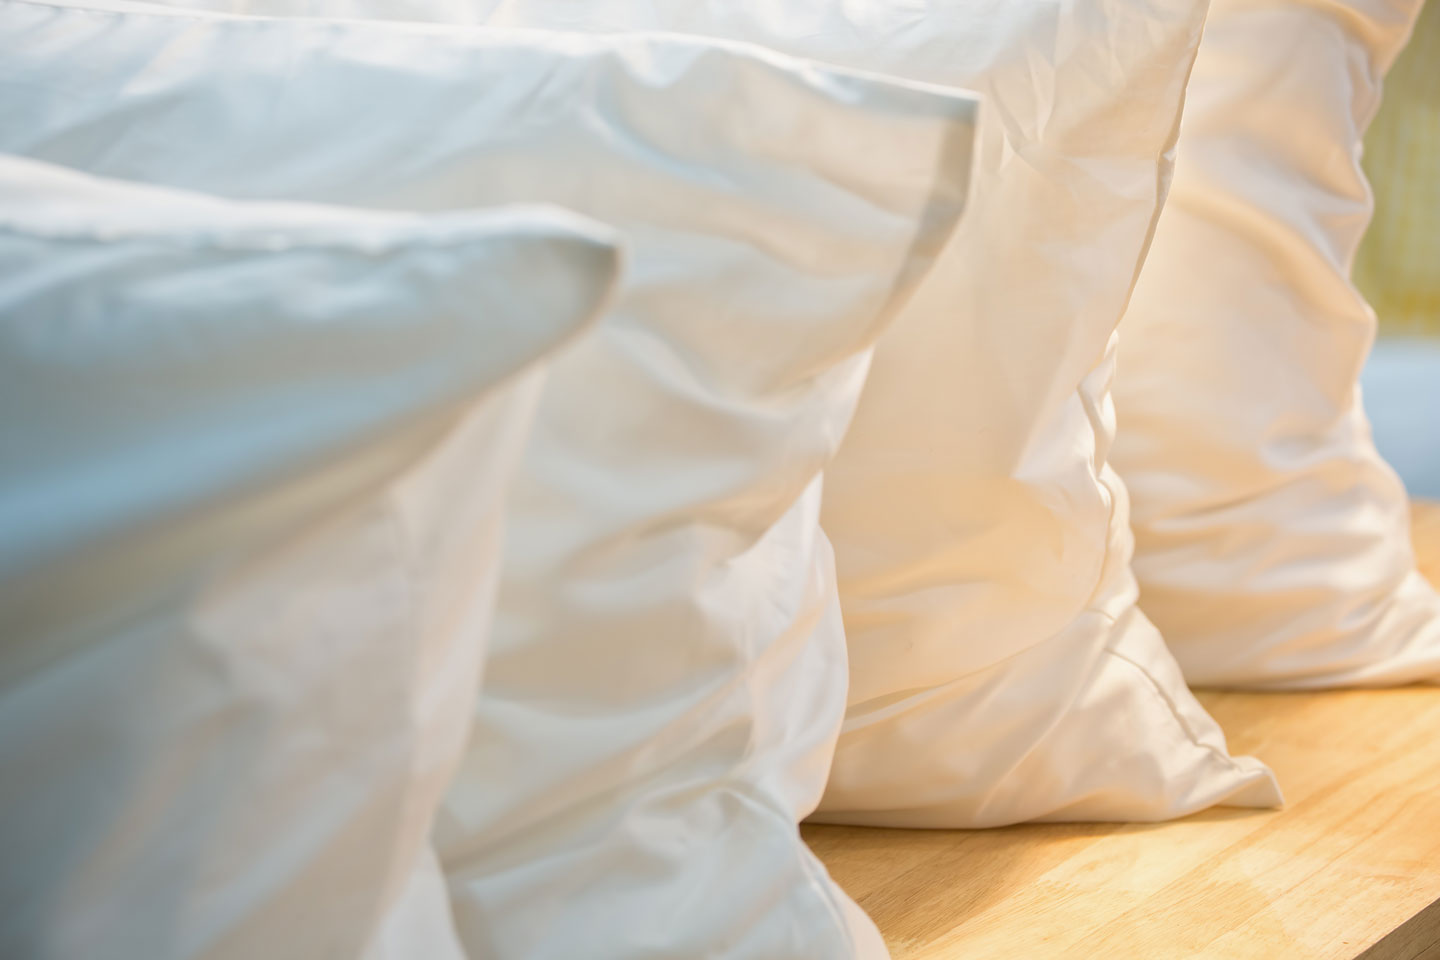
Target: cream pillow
pixel 668 673
pixel 999 668
pixel 1273 542
pixel 251 478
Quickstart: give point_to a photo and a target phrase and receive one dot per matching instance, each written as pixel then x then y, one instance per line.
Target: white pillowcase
pixel 1000 670
pixel 251 479
pixel 1274 545
pixel 668 674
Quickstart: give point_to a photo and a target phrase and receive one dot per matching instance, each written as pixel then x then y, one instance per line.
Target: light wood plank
pixel 1351 866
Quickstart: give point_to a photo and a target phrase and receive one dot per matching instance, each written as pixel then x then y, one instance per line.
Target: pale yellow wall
pixel 1399 264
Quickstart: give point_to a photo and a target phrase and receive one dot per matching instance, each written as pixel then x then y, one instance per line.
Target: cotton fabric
pixel 252 467
pixel 999 669
pixel 667 675
pixel 1273 541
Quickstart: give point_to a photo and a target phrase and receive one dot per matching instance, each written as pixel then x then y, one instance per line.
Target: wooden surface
pixel 1350 867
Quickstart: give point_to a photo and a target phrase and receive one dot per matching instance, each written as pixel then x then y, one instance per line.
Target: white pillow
pixel 999 669
pixel 1274 546
pixel 668 675
pixel 251 477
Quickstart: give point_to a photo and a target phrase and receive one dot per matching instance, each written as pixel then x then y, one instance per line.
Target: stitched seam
pixel 1175 713
pixel 283 239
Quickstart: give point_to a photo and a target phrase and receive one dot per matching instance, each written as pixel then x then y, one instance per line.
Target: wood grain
pixel 1350 867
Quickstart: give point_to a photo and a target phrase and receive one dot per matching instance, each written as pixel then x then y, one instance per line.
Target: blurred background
pixel 1398 266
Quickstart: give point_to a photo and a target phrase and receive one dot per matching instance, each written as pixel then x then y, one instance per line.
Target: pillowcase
pixel 667 675
pixel 1274 546
pixel 999 669
pixel 253 465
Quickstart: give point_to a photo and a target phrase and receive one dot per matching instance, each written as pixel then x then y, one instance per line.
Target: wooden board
pixel 1350 867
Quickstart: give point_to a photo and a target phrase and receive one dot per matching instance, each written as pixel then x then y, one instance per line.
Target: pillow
pixel 1274 545
pixel 667 675
pixel 253 464
pixel 999 669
